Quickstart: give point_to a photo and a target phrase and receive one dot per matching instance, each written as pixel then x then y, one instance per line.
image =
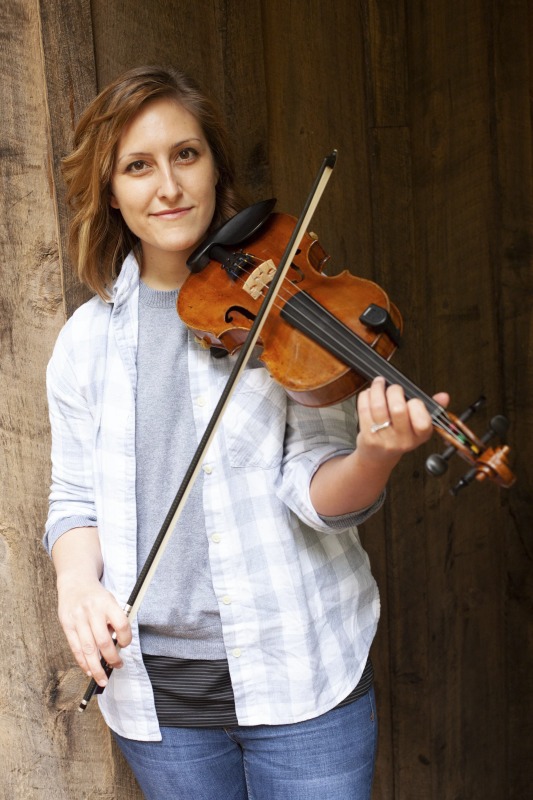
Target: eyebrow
pixel 142 154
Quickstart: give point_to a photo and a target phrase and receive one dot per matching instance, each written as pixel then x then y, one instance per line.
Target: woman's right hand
pixel 88 612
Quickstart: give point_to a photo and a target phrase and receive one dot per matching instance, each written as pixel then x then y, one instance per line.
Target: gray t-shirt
pixel 179 615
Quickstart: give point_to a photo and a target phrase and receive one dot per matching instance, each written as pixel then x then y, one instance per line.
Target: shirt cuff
pixel 344 521
pixel 63 525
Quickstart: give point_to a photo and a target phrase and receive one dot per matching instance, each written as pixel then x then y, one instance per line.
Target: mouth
pixel 172 213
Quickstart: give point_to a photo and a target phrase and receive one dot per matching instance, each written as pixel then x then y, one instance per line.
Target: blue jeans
pixel 331 756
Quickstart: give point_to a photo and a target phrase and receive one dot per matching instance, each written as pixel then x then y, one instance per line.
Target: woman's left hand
pixel 390 425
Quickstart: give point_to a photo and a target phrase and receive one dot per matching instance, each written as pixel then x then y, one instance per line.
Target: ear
pixel 113 202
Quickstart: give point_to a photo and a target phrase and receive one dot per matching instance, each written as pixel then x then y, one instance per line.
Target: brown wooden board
pixel 512 257
pixel 44 752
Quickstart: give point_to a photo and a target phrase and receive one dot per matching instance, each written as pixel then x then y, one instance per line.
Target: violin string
pixel 372 364
pixel 367 358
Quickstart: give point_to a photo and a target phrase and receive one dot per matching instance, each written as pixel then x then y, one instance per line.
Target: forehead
pixel 158 121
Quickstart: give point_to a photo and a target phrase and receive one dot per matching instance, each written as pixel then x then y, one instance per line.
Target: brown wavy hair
pixel 99 240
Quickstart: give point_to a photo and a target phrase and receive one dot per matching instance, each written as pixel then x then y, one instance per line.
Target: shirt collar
pixel 127 281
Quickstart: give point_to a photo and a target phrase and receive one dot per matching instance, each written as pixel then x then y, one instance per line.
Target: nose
pixel 169 185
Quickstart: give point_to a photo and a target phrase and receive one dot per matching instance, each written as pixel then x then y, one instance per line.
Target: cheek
pixel 129 203
pixel 113 202
pixel 116 199
pixel 209 182
pixel 211 196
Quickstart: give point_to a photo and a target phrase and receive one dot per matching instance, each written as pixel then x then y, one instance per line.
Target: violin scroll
pixel 487 462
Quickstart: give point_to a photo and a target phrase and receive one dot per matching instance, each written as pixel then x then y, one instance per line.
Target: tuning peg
pixel 437 464
pixel 498 425
pixel 463 482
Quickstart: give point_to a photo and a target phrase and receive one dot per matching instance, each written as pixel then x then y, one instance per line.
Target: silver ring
pixel 380 426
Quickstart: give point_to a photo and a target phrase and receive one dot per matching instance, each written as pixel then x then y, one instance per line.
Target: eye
pixel 136 166
pixel 187 154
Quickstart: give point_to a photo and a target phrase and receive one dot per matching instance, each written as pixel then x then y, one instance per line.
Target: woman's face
pixel 164 181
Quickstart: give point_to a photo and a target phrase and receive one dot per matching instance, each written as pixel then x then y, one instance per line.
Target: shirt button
pixel 216 537
pixel 208 469
pixel 226 600
pixel 236 653
pixel 200 401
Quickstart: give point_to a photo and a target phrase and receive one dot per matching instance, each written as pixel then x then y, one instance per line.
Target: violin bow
pixel 158 548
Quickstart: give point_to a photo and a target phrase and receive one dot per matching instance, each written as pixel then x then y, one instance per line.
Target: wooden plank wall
pixel 428 105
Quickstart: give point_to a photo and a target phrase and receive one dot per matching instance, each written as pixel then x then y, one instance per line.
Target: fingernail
pixel 103 682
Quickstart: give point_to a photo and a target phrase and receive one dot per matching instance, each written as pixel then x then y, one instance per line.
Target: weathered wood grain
pixel 42 753
pixel 447 559
pixel 316 103
pixel 512 256
pixel 66 45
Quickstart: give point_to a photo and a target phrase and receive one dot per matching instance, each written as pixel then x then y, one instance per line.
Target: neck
pixel 164 271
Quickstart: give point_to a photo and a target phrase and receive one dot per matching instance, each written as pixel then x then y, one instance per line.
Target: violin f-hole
pixel 229 315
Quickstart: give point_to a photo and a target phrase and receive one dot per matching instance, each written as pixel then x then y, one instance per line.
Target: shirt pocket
pixel 254 422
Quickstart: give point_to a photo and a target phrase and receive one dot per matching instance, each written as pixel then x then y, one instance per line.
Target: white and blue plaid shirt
pixel 298 603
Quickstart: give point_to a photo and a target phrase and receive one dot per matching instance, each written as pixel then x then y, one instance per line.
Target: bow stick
pixel 156 553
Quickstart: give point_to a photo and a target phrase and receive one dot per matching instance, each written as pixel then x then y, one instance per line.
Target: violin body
pixel 221 310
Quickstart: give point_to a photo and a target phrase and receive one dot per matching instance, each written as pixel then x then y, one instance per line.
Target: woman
pixel 246 672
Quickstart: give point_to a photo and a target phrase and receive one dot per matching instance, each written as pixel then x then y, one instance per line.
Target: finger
pixel 442 398
pixel 76 649
pixel 397 410
pixel 91 653
pixel 363 409
pixel 379 409
pixel 420 419
pixel 105 645
pixel 120 624
pixel 94 639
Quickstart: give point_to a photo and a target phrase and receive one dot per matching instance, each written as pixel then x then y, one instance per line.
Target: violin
pixel 325 338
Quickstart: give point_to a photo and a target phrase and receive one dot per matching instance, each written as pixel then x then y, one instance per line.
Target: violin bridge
pixel 260 278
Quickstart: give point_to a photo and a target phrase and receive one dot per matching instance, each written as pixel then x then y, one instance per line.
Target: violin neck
pixel 311 318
